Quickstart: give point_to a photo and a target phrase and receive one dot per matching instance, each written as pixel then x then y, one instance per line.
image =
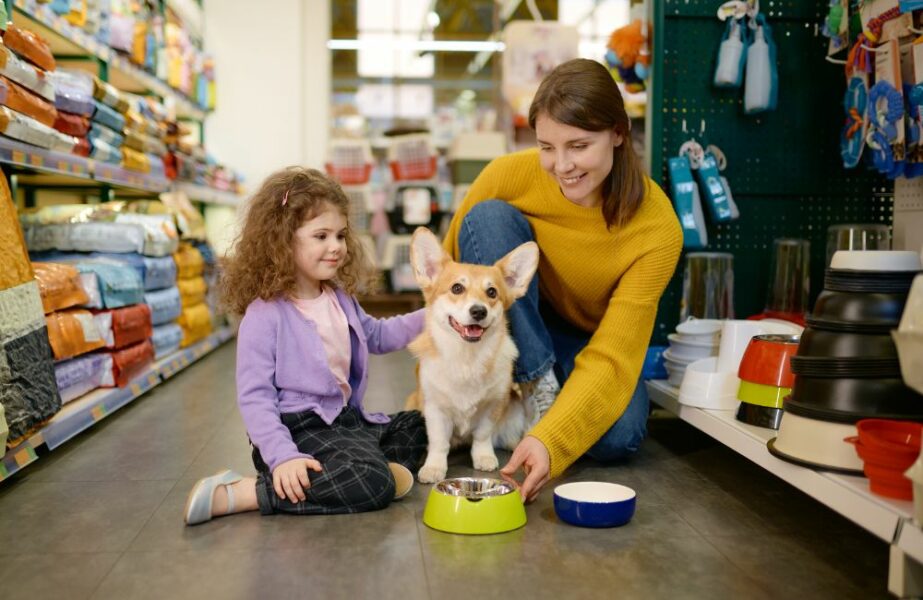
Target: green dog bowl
pixel 474 506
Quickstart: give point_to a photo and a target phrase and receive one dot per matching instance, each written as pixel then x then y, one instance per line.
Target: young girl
pixel 302 358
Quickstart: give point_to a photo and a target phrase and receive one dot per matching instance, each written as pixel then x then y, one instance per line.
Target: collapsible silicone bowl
pixel 891 436
pixel 594 503
pixel 766 361
pixel 888 482
pixel 474 506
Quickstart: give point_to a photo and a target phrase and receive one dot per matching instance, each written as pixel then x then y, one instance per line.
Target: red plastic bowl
pixel 891 436
pixel 888 482
pixel 767 360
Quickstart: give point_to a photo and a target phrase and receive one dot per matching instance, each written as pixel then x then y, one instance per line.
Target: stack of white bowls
pixel 694 339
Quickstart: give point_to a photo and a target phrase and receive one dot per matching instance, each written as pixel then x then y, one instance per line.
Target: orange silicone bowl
pixel 767 360
pixel 888 482
pixel 891 436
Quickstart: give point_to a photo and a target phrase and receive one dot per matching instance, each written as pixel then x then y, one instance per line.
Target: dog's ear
pixel 426 256
pixel 518 267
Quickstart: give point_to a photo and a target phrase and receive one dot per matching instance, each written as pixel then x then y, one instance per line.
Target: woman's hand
pixel 533 457
pixel 290 479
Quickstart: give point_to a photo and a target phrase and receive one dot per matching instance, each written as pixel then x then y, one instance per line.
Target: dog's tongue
pixel 471 333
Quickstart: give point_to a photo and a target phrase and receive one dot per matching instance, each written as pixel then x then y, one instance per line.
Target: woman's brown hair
pixel 261 263
pixel 581 93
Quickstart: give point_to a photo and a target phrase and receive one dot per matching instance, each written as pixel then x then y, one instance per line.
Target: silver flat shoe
pixel 199 503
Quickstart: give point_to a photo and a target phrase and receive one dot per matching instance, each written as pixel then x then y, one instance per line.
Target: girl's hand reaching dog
pixel 290 479
pixel 532 455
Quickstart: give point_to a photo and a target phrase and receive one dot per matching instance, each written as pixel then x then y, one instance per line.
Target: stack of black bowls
pixel 846 367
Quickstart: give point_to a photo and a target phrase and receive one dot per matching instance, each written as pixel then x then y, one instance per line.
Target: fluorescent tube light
pixel 417 45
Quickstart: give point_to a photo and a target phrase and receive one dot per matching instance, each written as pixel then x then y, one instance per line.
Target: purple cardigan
pixel 282 368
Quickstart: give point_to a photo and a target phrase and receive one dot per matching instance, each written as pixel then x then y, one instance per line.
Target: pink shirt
pixel 333 329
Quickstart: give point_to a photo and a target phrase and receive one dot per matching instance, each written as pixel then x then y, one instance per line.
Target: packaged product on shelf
pixel 156 272
pixel 29 45
pixel 26 129
pixel 25 74
pixel 192 291
pixel 121 31
pixel 166 339
pixel 144 143
pixel 189 221
pixel 109 96
pixel 72 124
pixel 73 332
pixel 161 237
pixel 78 13
pixel 189 261
pixel 166 305
pixel 108 116
pixel 128 363
pixel 139 123
pixel 196 322
pixel 99 132
pixel 121 327
pixel 81 375
pixel 59 285
pixel 135 161
pixel 103 151
pixel 73 91
pixel 28 392
pixel 157 166
pixel 83 147
pixel 107 284
pixel 28 103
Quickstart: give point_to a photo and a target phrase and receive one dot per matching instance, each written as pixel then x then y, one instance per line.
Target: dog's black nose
pixel 478 312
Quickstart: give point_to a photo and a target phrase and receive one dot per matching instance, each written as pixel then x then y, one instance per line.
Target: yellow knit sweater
pixel 604 281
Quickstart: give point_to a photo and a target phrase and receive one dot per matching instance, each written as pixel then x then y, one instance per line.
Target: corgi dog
pixel 466 354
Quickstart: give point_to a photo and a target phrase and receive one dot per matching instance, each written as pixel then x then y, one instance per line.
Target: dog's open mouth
pixel 469 333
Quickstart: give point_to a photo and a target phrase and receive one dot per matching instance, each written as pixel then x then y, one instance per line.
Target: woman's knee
pixel 490 230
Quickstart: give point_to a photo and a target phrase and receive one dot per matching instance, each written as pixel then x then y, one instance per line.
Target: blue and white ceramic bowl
pixel 594 503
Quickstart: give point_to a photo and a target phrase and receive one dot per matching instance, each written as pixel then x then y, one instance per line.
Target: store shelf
pixel 171 365
pixel 81 414
pixel 41 160
pixel 847 495
pixel 65 39
pixel 117 175
pixel 207 194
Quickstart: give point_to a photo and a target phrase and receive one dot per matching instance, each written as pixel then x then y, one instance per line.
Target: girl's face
pixel 579 160
pixel 319 249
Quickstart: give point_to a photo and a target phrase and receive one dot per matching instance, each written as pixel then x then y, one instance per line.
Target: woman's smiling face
pixel 579 160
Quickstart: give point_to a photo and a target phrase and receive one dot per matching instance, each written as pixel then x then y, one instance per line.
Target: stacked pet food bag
pixel 27 95
pixel 122 262
pixel 28 393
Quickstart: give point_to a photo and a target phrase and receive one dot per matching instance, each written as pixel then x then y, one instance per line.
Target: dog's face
pixel 469 299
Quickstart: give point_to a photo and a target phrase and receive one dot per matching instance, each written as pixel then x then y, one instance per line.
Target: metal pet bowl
pixel 474 506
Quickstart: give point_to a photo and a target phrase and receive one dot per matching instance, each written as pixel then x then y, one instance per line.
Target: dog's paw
pixel 486 462
pixel 431 474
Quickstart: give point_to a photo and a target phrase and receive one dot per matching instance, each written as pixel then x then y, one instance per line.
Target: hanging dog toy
pixel 885 109
pixel 852 137
pixel 628 54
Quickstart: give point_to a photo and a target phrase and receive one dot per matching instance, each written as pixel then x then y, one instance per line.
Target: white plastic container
pixel 758 83
pixel 727 73
pixel 703 386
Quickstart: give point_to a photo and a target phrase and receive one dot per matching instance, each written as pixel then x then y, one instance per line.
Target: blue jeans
pixel 489 231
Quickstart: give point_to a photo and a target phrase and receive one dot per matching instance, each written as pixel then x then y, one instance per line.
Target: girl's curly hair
pixel 260 263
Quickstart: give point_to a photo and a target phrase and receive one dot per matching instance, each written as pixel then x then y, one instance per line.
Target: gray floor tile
pixel 77 516
pixel 342 571
pixel 54 575
pixel 795 566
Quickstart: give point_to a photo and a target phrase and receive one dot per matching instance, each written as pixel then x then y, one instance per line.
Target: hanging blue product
pixel 729 65
pixel 885 109
pixel 688 205
pixel 852 137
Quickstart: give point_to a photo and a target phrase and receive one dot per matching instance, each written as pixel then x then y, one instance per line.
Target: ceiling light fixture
pixel 416 45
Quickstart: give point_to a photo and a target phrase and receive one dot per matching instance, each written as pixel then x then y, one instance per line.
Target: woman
pixel 609 242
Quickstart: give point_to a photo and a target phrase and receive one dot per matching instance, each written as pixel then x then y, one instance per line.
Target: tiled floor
pixel 102 517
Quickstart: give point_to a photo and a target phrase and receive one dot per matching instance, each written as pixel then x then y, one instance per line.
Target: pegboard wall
pixel 784 166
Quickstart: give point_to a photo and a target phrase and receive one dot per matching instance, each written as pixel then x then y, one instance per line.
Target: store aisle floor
pixel 101 517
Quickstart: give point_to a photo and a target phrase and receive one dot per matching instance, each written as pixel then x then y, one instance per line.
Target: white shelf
pixel 84 412
pixel 846 494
